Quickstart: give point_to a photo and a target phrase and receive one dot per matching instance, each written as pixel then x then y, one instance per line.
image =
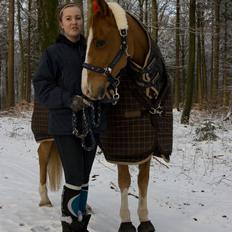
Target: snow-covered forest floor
pixel 192 194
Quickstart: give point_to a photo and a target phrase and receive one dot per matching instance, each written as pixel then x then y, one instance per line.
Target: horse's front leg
pixel 44 152
pixel 143 179
pixel 124 181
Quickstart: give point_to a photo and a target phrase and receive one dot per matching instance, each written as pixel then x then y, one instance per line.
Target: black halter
pixel 114 80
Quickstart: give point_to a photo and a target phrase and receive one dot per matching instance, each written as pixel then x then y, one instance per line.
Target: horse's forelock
pixel 119 15
pixel 114 11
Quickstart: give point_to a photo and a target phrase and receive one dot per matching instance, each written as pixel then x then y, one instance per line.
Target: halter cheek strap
pixel 107 71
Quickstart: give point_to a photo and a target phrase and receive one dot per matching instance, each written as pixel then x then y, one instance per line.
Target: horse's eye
pixel 100 43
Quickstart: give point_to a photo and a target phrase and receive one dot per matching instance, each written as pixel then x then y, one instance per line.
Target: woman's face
pixel 72 22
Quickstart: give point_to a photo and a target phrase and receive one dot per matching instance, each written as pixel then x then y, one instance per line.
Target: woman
pixel 57 85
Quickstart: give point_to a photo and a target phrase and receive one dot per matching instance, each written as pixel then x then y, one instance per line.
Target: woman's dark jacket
pixel 57 80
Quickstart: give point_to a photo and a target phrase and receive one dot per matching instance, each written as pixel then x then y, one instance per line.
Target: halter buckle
pixel 123 32
pixel 158 110
pixel 108 70
pixel 115 97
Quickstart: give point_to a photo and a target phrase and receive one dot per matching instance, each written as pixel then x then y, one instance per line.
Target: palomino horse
pixel 114 38
pixel 49 166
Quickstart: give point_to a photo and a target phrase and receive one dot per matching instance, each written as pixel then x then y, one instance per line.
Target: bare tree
pixel 28 74
pixel 3 51
pixel 191 65
pixel 225 57
pixel 215 52
pixel 199 80
pixel 177 76
pixel 22 53
pixel 203 55
pixel 141 13
pixel 155 23
pixel 10 61
pixel 48 31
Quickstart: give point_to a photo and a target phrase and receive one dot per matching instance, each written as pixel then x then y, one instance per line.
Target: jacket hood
pixel 63 39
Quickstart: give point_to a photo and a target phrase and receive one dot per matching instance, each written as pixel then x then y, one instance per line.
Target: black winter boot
pixel 76 226
pixel 72 227
pixel 85 221
pixel 70 219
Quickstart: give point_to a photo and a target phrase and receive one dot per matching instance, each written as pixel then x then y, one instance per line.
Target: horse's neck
pixel 138 42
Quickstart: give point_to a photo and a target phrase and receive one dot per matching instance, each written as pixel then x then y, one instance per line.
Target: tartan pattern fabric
pixel 134 139
pixel 163 127
pixel 39 122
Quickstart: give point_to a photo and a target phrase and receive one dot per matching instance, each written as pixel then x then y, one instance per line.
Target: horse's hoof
pixel 89 209
pixel 45 204
pixel 146 227
pixel 127 227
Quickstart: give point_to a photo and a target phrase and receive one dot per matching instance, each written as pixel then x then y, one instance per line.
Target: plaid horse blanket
pixel 132 133
pixel 39 123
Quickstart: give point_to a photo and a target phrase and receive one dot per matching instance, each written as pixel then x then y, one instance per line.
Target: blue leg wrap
pixel 83 199
pixel 73 205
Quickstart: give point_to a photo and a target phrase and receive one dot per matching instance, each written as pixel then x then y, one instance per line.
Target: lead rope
pixel 88 123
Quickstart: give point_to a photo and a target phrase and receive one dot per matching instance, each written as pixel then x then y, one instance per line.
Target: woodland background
pixel 195 37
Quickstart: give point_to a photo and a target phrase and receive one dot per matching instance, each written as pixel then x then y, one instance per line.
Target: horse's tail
pixel 54 169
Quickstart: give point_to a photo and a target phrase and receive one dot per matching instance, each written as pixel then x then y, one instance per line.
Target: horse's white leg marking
pixel 143 179
pixel 124 181
pixel 142 209
pixel 44 200
pixel 43 152
pixel 124 210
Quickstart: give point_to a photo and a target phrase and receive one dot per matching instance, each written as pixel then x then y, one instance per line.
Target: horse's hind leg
pixel 124 181
pixel 44 152
pixel 143 179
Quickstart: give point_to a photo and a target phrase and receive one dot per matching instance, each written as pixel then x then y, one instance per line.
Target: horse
pixel 115 38
pixel 49 166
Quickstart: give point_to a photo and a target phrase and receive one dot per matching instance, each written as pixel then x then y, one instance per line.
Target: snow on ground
pixel 192 195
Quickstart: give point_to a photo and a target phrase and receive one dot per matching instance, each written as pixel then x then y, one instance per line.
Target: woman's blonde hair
pixel 61 7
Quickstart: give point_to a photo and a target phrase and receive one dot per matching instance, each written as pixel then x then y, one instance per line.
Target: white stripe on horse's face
pixel 84 81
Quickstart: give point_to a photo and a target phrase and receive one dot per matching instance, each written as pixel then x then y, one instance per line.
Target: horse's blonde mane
pixel 119 15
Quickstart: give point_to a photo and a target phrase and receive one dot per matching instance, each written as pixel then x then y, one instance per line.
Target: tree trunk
pixel 28 75
pixel 203 58
pixel 225 55
pixel 79 2
pixel 216 52
pixel 199 81
pixel 22 89
pixel 177 77
pixel 141 13
pixel 48 31
pixel 155 23
pixel 10 59
pixel 146 15
pixel 0 76
pixel 191 65
pixel 183 70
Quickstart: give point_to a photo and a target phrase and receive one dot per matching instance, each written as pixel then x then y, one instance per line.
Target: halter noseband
pixel 107 71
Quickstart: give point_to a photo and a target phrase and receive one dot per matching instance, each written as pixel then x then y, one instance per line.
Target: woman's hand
pixel 79 103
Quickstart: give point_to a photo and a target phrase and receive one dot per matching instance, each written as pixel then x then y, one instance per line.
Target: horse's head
pixel 106 49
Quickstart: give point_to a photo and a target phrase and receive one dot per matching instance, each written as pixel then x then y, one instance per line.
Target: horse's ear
pixel 100 6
